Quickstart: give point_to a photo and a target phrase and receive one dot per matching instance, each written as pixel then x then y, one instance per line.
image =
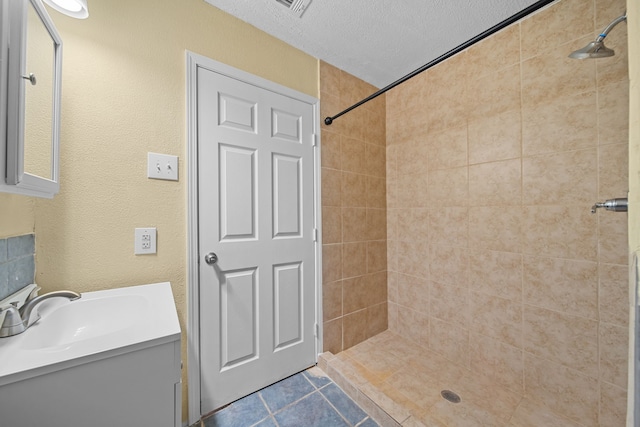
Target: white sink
pixel 100 322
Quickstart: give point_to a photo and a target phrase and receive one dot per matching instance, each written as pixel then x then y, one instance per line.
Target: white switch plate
pixel 162 166
pixel 145 241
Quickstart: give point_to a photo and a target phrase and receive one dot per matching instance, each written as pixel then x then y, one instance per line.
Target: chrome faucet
pixel 17 320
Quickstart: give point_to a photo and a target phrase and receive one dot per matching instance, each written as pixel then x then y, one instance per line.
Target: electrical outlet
pixel 145 241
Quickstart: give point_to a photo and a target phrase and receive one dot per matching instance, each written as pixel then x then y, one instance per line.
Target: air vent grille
pixel 297 7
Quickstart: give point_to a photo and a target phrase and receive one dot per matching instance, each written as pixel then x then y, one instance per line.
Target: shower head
pixel 597 49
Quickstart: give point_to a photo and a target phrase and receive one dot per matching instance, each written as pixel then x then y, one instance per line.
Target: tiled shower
pixel 494 261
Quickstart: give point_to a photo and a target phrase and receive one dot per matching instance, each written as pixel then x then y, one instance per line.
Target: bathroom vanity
pixel 110 358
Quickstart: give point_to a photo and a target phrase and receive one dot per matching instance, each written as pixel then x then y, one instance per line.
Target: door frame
pixel 194 61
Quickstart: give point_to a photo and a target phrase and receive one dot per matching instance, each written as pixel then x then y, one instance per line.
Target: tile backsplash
pixel 17 263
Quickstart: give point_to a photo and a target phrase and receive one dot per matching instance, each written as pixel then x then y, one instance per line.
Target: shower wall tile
pixel 17 263
pixel 496 228
pixel 613 127
pixel 496 273
pixel 562 22
pixel 613 173
pixel 494 158
pixel 498 51
pixel 496 183
pixel 566 286
pixel 569 340
pixel 560 231
pixel 563 124
pixel 559 178
pixel 496 137
pixel 614 293
pixel 613 405
pixel 561 389
pixel 614 354
pixel 354 193
pixel 501 362
pixel 331 150
pixel 553 75
pixel 497 318
pixel 495 93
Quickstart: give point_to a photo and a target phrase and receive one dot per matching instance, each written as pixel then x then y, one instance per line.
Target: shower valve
pixel 615 205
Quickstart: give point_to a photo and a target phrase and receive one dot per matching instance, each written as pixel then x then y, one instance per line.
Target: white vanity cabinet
pixel 106 374
pixel 30 97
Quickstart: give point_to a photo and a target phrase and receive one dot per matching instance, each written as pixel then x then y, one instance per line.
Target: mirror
pixel 33 100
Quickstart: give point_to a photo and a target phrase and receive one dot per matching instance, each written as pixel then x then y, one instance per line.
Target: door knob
pixel 211 258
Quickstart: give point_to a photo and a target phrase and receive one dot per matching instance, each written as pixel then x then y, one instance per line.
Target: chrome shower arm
pixel 609 27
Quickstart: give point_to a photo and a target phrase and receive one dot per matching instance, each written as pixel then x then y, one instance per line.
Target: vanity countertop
pixel 101 324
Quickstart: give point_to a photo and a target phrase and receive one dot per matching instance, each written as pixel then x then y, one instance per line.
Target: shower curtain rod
pixel 514 18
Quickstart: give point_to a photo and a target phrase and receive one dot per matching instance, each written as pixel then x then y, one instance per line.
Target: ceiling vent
pixel 297 7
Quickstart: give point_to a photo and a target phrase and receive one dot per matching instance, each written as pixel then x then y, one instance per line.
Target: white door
pixel 256 213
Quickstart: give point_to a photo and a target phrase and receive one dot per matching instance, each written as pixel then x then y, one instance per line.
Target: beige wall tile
pixel 392 224
pixel 496 228
pixel 329 105
pixel 607 10
pixel 413 293
pixel 552 74
pixel 331 150
pixel 375 129
pixel 613 125
pixel 355 328
pixel 411 258
pixel 377 283
pixel 569 340
pixel 495 93
pixel 563 285
pixel 562 124
pixel 376 192
pixel 332 336
pixel 450 341
pixel 495 52
pixel 614 294
pixel 354 259
pixel 612 237
pixel 411 157
pixel 563 390
pixel 331 187
pixel 354 291
pixel 331 263
pixel 413 326
pixel 331 300
pixel 560 231
pixel 496 137
pixel 449 304
pixel 392 287
pixel 331 224
pixel 391 161
pixel 556 25
pixel 446 106
pixel 354 190
pixel 448 265
pixel 376 224
pixel 557 178
pixel 377 319
pixel 376 256
pixel 449 187
pixel 496 273
pixel 613 172
pixel 613 405
pixel 354 224
pixel 447 226
pixel 502 362
pixel 498 318
pixel 447 149
pixel 353 155
pixel 615 68
pixel 329 78
pixel 413 191
pixel 495 184
pixel 375 160
pixel 393 317
pixel 392 255
pixel 614 352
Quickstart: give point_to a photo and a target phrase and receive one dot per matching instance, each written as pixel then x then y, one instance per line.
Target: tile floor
pixel 308 399
pixel 399 383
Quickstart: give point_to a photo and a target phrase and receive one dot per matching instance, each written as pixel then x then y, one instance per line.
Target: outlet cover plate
pixel 162 166
pixel 145 241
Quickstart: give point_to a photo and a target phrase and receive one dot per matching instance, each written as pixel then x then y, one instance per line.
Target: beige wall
pixel 353 212
pixel 494 159
pixel 123 96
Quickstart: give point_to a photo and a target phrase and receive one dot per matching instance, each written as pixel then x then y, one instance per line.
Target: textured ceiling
pixel 378 41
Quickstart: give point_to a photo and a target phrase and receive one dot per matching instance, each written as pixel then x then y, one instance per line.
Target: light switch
pixel 162 166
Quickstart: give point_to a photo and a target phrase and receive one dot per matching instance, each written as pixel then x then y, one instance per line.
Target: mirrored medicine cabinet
pixel 30 84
